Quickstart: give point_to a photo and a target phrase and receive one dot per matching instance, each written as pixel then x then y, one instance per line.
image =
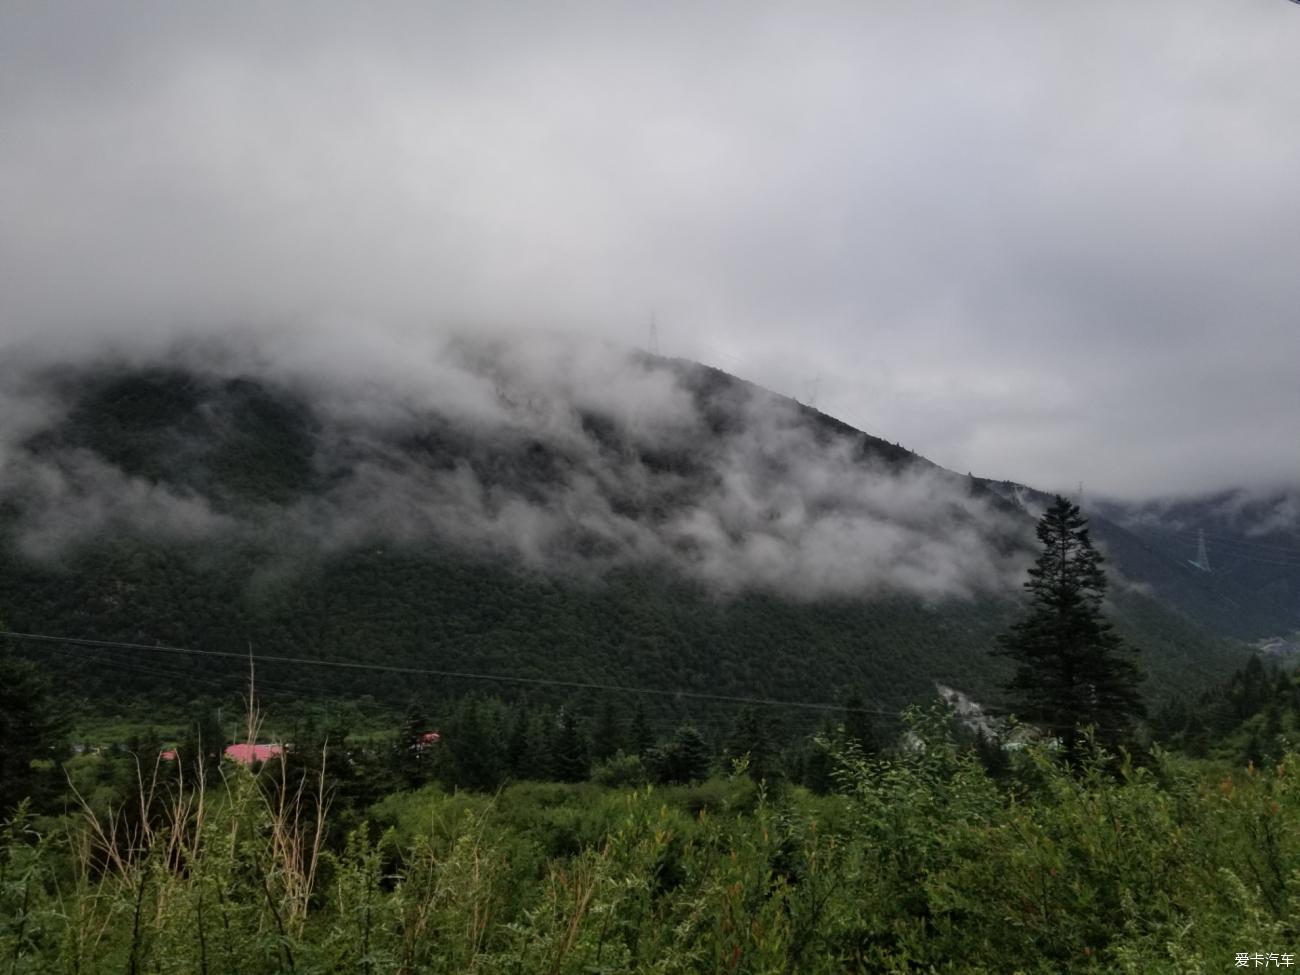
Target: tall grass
pixel 922 863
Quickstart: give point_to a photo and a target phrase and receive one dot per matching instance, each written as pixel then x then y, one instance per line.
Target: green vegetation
pixel 610 792
pixel 754 849
pixel 408 607
pixel 919 860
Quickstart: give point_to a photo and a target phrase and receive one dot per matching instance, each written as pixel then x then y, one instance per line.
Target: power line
pixel 112 664
pixel 1243 548
pixel 452 674
pixel 1241 556
pixel 275 687
pixel 1232 550
pixel 1228 540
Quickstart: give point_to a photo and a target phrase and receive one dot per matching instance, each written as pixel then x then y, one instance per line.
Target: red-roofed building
pixel 249 754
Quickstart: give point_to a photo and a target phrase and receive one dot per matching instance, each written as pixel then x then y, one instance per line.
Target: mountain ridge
pixel 709 535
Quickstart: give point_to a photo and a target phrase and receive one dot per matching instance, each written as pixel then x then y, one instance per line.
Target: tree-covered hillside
pixel 675 529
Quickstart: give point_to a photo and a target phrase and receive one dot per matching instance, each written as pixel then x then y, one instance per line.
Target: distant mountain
pixel 524 513
pixel 1249 585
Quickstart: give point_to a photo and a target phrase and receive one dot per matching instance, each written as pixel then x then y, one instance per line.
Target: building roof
pixel 248 754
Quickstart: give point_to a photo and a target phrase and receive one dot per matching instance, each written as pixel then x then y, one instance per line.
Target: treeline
pixel 481 742
pixel 1254 716
pixel 477 743
pixel 486 743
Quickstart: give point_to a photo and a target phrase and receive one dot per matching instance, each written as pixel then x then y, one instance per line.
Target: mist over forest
pixel 564 455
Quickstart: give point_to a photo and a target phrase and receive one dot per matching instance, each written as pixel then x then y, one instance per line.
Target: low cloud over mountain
pixel 557 454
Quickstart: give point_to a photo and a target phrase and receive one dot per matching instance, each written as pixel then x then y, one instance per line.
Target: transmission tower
pixel 654 334
pixel 1202 557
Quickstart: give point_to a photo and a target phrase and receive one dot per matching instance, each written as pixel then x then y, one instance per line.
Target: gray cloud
pixel 563 457
pixel 1045 242
pixel 78 496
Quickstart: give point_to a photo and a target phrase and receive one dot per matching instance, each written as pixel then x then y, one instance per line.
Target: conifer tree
pixel 517 745
pixel 641 737
pixel 1072 670
pixel 30 729
pixel 474 742
pixel 750 742
pixel 606 734
pixel 569 762
pixel 683 759
pixel 412 759
pixel 204 742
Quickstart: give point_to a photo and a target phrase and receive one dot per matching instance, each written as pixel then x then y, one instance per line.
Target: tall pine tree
pixel 569 760
pixel 1072 670
pixel 641 738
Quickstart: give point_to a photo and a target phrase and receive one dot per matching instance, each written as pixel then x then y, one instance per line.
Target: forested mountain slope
pixel 522 513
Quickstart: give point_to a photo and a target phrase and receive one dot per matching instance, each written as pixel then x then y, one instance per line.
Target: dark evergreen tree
pixel 606 734
pixel 414 750
pixel 538 759
pixel 30 731
pixel 204 743
pixel 818 765
pixel 1196 737
pixel 1170 720
pixel 1250 688
pixel 641 738
pixel 1072 670
pixel 319 757
pixel 684 759
pixel 750 742
pixel 569 761
pixel 475 750
pixel 144 747
pixel 517 745
pixel 1272 719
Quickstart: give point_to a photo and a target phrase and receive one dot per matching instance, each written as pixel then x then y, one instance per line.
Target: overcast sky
pixel 1044 241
